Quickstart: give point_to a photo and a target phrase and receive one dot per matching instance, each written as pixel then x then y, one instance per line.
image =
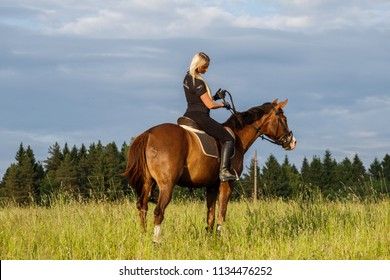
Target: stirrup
pixel 225 175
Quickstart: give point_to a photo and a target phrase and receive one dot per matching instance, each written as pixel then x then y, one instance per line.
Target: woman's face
pixel 203 69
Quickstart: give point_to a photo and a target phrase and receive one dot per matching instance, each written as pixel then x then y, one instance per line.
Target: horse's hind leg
pixel 163 200
pixel 142 204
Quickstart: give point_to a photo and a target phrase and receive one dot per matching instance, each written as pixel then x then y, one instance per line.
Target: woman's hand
pixel 220 94
pixel 226 105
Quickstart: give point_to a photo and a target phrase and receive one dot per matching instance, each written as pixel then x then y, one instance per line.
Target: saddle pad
pixel 206 142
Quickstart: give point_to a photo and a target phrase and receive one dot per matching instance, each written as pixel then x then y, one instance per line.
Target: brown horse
pixel 167 155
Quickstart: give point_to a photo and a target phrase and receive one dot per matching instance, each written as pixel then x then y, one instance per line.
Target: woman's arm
pixel 209 102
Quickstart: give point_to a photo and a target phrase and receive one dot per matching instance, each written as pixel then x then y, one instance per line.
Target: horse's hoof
pixel 157 234
pixel 209 230
pixel 219 230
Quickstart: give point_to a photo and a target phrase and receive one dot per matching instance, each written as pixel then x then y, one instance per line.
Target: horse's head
pixel 266 121
pixel 274 126
pixel 277 129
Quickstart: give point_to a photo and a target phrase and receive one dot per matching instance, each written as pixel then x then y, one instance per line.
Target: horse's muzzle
pixel 292 145
pixel 289 142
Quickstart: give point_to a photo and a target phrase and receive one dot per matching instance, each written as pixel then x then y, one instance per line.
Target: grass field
pixel 270 229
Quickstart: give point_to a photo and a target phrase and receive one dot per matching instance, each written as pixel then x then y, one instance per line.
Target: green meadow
pixel 267 229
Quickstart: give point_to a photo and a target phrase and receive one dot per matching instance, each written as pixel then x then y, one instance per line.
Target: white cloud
pixel 362 134
pixel 103 22
pixel 273 22
pixel 381 101
pixel 335 112
pixel 176 18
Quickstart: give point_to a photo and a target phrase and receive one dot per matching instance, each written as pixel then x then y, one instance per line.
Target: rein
pixel 233 110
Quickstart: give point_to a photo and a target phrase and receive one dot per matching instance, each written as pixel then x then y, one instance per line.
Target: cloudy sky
pixel 79 71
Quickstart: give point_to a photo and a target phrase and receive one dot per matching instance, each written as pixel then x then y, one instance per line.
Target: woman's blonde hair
pixel 200 59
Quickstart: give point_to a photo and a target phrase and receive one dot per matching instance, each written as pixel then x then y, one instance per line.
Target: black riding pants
pixel 210 126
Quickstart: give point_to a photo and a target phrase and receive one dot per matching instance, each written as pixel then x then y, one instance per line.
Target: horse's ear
pixel 282 104
pixel 275 101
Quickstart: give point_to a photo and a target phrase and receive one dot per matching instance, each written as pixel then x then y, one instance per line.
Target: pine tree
pixel 375 170
pixel 123 156
pixel 33 173
pixel 358 169
pixel 67 175
pixel 124 152
pixel 386 167
pixel 112 171
pixel 74 154
pixel 270 177
pixel 20 154
pixel 21 182
pixel 51 184
pixel 293 177
pixel 285 188
pixel 344 171
pixel 305 171
pixel 328 176
pixel 98 168
pixel 53 162
pixel 65 150
pixel 3 193
pixel 83 171
pixel 96 163
pixel 12 184
pixel 315 171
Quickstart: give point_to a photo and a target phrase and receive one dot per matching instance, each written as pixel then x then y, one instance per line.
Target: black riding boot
pixel 226 153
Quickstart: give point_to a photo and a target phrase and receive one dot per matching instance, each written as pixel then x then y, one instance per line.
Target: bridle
pixel 287 137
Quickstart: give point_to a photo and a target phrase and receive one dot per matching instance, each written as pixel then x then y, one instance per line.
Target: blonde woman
pixel 199 103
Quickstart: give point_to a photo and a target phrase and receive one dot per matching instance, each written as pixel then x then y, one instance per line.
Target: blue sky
pixel 82 71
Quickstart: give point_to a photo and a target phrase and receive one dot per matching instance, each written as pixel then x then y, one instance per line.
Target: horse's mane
pixel 239 120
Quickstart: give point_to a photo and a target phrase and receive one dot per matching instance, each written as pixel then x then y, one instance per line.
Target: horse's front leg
pixel 225 192
pixel 212 194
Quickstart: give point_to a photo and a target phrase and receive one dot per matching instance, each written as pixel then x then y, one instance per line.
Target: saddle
pixel 210 146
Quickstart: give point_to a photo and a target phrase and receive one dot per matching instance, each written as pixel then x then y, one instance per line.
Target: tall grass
pixel 268 229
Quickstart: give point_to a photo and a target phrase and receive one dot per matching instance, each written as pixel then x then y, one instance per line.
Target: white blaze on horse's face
pixel 289 142
pixel 293 143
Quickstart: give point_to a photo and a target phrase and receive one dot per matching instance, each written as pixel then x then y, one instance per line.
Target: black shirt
pixel 193 93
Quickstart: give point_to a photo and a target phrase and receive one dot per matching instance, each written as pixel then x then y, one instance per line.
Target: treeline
pixel 81 173
pixel 325 176
pixel 95 173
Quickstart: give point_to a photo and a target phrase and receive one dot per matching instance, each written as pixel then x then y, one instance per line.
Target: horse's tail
pixel 136 162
